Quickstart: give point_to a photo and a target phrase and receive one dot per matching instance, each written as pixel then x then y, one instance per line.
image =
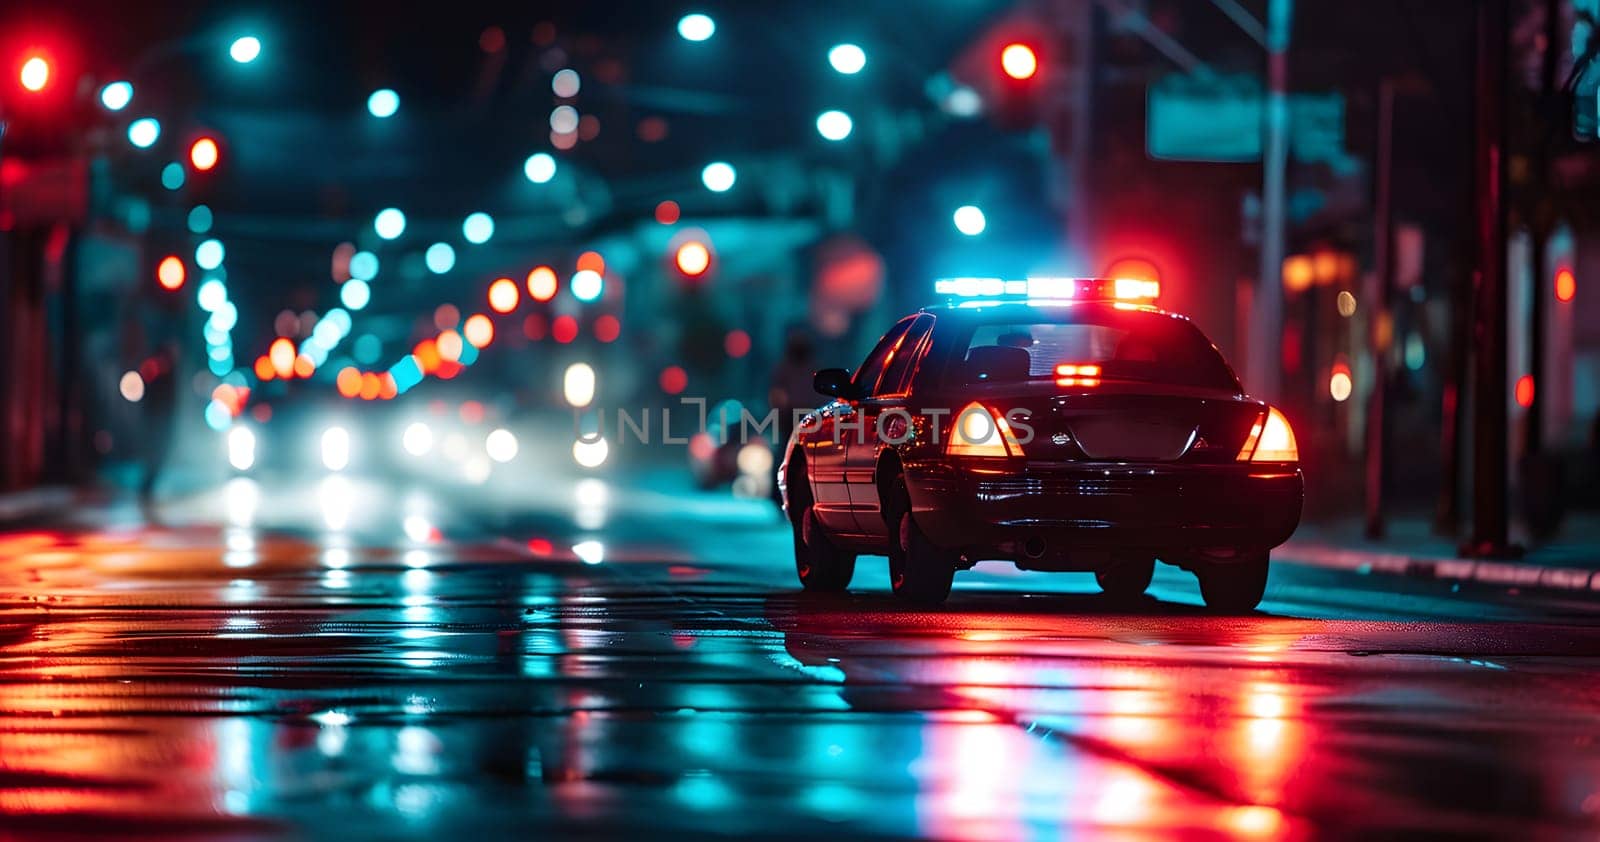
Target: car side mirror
pixel 835 383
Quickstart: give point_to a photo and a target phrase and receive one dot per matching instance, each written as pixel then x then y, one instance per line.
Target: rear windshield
pixel 1127 345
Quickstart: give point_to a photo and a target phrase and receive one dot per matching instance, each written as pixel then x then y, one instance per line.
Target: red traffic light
pixel 1019 61
pixel 203 154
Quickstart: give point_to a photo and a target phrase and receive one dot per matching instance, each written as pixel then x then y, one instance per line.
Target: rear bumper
pixel 1011 512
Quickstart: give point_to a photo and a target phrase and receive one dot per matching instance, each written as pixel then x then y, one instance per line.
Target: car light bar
pixel 1077 374
pixel 1048 290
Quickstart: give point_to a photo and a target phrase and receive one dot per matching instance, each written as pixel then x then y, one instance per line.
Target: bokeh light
pixel 209 254
pixel 478 330
pixel 834 125
pixel 245 49
pixel 718 176
pixel 566 83
pixel 693 258
pixel 170 273
pixel 363 266
pixel 540 167
pixel 355 294
pixel 503 295
pixel 116 96
pixel 478 228
pixel 1018 61
pixel 203 154
pixel 35 74
pixel 587 285
pixel 542 283
pixel 578 385
pixel 673 380
pixel 696 27
pixel 667 212
pixel 848 59
pixel 440 258
pixel 144 132
pixel 1566 285
pixel 969 220
pixel 390 223
pixel 383 103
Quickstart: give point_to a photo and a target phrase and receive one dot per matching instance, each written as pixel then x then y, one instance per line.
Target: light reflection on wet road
pixel 620 663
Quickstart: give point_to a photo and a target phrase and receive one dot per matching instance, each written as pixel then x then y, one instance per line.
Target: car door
pixel 835 428
pixel 889 391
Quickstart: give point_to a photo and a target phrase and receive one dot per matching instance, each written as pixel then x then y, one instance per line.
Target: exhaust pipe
pixel 1034 547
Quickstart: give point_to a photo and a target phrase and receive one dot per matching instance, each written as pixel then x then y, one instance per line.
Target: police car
pixel 1063 424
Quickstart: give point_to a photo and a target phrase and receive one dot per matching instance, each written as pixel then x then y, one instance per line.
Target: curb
pixel 1505 574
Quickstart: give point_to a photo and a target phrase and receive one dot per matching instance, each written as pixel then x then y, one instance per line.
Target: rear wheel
pixel 920 571
pixel 1127 577
pixel 1236 584
pixel 820 563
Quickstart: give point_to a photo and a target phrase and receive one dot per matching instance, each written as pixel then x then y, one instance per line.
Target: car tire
pixel 1235 585
pixel 1128 577
pixel 820 563
pixel 920 571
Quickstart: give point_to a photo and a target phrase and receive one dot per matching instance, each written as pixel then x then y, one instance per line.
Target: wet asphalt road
pixel 357 660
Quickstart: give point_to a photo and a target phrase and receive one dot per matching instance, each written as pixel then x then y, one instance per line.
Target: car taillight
pixel 1271 440
pixel 979 431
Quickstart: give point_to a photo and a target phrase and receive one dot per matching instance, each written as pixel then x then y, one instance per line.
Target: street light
pixel 834 125
pixel 969 220
pixel 696 27
pixel 390 223
pixel 245 49
pixel 383 103
pixel 539 168
pixel 847 59
pixel 718 177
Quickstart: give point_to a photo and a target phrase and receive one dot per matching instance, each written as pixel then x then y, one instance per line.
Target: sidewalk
pixel 1569 563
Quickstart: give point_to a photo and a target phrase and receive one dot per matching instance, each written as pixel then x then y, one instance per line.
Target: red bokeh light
pixel 1019 61
pixel 607 328
pixel 592 261
pixel 471 412
pixel 170 273
pixel 503 295
pixel 736 343
pixel 674 380
pixel 693 258
pixel 564 329
pixel 535 326
pixel 1566 285
pixel 203 154
pixel 542 283
pixel 667 212
pixel 1524 392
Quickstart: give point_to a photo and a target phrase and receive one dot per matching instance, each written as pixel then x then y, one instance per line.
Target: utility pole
pixel 1489 535
pixel 1266 335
